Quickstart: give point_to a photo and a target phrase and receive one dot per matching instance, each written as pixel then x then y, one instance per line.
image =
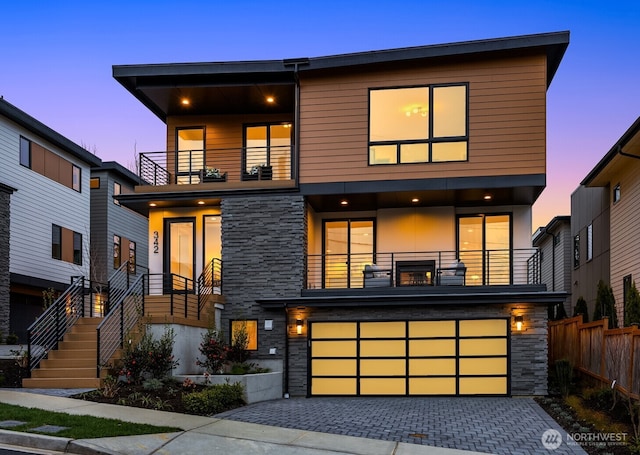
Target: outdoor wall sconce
pixel 518 320
pixel 299 324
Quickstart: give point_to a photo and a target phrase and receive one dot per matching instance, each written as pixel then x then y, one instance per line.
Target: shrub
pixel 214 350
pixel 605 305
pixel 564 375
pixel 214 399
pixel 237 352
pixel 632 306
pixel 149 358
pixel 152 384
pixel 581 309
pixel 12 338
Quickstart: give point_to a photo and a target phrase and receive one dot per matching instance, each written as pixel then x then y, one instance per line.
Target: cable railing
pixel 125 312
pixel 49 329
pixel 236 164
pixel 481 268
pixel 209 282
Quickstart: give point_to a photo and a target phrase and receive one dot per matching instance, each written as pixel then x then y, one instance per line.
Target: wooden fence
pixel 604 354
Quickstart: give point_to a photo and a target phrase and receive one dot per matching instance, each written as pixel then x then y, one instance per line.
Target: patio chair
pixel 454 275
pixel 376 277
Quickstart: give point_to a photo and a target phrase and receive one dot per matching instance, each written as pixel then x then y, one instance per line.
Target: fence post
pixel 603 360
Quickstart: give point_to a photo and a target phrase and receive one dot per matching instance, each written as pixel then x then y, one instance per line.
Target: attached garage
pixel 417 357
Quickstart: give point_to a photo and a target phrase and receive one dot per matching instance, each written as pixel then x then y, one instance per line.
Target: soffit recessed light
pixel 270 99
pixel 152 204
pixel 185 101
pixel 487 197
pixel 344 202
pixel 200 202
pixel 415 200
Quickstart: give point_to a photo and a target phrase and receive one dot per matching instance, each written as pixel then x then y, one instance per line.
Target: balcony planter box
pixel 263 173
pixel 206 178
pixel 257 387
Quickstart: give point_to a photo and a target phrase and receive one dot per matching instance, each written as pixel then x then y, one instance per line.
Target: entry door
pixel 179 263
pixel 348 247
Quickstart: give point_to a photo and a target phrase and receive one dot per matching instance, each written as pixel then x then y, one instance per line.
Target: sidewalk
pixel 200 435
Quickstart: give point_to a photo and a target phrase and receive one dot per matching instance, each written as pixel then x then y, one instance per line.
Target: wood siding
pixel 39 203
pixel 625 243
pixel 507 118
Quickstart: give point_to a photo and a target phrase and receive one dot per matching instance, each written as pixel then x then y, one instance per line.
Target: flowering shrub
pixel 214 350
pixel 149 357
pixel 238 353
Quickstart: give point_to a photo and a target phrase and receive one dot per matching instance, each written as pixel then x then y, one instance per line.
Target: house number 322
pixel 156 246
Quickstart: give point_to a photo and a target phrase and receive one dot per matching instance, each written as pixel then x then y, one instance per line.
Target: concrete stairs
pixel 73 364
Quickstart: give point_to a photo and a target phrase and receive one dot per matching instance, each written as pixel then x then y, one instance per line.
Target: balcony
pixel 235 165
pixel 434 271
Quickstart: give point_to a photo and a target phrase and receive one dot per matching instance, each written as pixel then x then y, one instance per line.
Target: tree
pixel 605 305
pixel 581 309
pixel 632 306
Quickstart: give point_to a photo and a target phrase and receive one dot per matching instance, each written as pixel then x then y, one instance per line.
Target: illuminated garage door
pixel 452 357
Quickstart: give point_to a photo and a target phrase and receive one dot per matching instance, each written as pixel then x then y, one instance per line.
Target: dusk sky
pixel 57 58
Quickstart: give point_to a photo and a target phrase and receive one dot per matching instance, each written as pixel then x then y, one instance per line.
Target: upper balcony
pixel 223 168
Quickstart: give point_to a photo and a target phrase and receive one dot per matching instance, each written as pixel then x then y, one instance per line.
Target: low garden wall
pixel 257 387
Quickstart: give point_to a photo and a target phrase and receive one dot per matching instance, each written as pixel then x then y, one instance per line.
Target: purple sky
pixel 57 57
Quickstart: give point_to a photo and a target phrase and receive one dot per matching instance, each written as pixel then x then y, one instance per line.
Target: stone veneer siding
pixel 5 307
pixel 528 348
pixel 263 253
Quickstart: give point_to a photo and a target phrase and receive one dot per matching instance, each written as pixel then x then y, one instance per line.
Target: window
pixel 116 252
pixel 77 248
pixel 626 287
pixel 117 189
pixel 348 247
pixel 418 124
pixel 76 178
pixel 556 239
pixel 589 242
pixel 267 145
pixel 576 251
pixel 190 157
pixel 251 329
pixel 616 193
pixel 25 152
pixel 94 183
pixel 56 242
pixel 132 257
pixel 484 245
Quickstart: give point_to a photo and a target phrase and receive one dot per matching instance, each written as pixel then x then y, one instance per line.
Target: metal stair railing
pixel 124 314
pixel 209 282
pixel 49 329
pixel 120 281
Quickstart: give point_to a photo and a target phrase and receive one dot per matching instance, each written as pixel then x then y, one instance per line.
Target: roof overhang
pixel 628 146
pixel 43 131
pixel 230 87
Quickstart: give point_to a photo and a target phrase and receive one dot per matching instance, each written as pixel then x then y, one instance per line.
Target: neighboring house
pixel 604 216
pixel 554 242
pixel 340 193
pixel 50 209
pixel 118 234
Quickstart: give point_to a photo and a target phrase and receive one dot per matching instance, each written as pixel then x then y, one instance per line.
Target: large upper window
pixel 418 124
pixel 190 145
pixel 267 146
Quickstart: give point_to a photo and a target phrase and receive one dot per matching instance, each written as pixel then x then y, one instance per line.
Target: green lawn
pixel 79 426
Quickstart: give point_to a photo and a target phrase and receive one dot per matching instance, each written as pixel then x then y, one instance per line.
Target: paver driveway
pixel 492 425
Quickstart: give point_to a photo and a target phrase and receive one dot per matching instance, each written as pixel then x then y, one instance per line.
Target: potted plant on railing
pixel 212 174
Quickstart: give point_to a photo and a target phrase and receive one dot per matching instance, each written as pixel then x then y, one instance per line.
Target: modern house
pixel 372 211
pixel 48 217
pixel 555 244
pixel 603 219
pixel 118 235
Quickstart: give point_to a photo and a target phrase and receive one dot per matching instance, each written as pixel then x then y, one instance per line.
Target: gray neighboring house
pixel 50 211
pixel 554 241
pixel 118 233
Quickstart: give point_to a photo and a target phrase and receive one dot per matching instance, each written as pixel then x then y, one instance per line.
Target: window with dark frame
pixel 251 327
pixel 25 152
pixel 425 124
pixel 116 251
pixel 132 257
pixel 56 242
pixel 576 251
pixel 77 248
pixel 117 190
pixel 76 179
pixel 589 242
pixel 94 183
